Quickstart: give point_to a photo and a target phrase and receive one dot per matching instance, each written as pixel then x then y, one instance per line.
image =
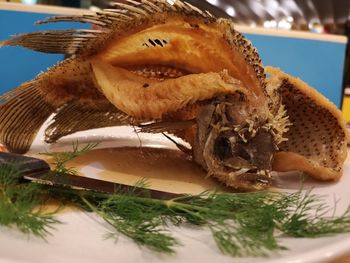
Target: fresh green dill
pixel 242 224
pixel 21 203
pixel 309 217
pixel 141 223
pixel 60 159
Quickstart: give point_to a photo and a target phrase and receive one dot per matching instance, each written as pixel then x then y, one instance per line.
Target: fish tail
pixel 22 113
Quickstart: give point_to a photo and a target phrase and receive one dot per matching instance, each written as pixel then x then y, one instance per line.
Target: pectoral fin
pixel 317 139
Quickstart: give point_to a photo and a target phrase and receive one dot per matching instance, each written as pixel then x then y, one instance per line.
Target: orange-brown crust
pixel 191 45
pixel 145 98
pixel 69 80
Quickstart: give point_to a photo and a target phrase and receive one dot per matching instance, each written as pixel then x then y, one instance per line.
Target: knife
pixel 38 171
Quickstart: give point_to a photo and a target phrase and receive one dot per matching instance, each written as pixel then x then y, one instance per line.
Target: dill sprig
pixel 309 216
pixel 242 224
pixel 21 203
pixel 60 159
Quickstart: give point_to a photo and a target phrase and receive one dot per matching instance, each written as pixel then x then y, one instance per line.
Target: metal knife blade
pixel 38 171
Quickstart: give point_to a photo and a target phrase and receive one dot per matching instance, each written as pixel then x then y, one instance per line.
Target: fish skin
pixel 317 137
pixel 144 98
pixel 165 42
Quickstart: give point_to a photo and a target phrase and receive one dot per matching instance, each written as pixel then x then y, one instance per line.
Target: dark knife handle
pixel 26 165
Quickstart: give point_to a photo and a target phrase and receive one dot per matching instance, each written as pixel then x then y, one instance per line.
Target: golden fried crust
pixel 145 98
pixel 317 139
pixel 70 80
pixel 189 44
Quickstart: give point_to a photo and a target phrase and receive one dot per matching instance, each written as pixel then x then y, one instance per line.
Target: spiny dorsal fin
pixel 55 41
pixel 92 19
pixel 123 12
pixel 147 7
pixel 109 21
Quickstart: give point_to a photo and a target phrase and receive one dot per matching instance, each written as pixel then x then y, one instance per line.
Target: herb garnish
pixel 60 159
pixel 21 204
pixel 242 224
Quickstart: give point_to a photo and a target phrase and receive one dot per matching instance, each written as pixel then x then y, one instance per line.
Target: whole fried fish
pixel 182 71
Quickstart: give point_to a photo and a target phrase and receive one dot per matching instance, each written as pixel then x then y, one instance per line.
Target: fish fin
pixel 55 41
pixel 74 117
pixel 113 19
pixel 317 139
pixel 128 10
pixel 110 22
pixel 22 112
pixel 180 146
pixel 101 21
pixel 184 129
pixel 144 8
pixel 166 126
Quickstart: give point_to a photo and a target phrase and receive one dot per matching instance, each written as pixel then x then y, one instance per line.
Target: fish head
pixel 233 146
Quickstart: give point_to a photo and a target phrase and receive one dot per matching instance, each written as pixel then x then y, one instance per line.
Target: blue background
pixel 318 63
pixel 21 64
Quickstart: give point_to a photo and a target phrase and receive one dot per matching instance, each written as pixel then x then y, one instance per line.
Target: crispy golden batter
pixel 145 98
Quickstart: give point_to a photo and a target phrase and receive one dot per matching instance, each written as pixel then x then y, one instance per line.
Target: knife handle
pixel 25 164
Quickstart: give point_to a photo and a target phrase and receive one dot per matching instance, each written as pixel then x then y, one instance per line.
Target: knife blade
pixel 38 171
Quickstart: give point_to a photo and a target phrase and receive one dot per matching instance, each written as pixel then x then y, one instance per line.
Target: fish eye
pixel 243 153
pixel 222 148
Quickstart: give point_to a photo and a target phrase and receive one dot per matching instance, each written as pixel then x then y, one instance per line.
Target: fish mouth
pixel 245 165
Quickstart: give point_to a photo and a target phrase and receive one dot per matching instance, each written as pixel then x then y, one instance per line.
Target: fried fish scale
pixel 165 42
pixel 317 139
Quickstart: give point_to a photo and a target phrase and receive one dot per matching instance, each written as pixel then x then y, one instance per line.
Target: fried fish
pixel 166 66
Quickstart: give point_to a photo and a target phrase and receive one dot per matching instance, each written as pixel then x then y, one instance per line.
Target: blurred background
pixel 316 16
pixel 319 16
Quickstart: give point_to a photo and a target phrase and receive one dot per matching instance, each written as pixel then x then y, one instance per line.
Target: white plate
pixel 81 238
